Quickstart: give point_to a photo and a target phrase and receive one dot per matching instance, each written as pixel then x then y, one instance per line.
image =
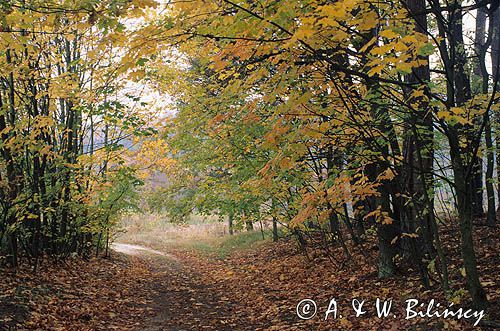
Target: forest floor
pixel 169 287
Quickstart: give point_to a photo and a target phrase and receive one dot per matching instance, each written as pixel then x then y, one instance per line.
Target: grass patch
pixel 223 246
pixel 241 241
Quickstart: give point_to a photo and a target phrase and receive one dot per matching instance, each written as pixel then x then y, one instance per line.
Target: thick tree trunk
pixel 386 264
pixel 420 139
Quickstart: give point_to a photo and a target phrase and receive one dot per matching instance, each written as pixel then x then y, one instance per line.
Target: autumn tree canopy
pixel 340 121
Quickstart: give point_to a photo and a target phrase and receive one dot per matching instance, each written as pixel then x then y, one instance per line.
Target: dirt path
pixel 259 290
pixel 182 301
pixel 129 249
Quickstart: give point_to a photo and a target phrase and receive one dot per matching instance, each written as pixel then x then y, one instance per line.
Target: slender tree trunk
pixel 248 222
pixel 494 32
pixel 491 215
pixel 466 190
pixel 275 229
pixel 106 254
pixel 349 226
pixel 13 187
pixel 481 46
pixel 275 221
pixel 230 223
pixel 334 162
pixel 464 199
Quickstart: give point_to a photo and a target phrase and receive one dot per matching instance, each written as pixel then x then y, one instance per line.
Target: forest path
pixel 183 299
pixel 130 249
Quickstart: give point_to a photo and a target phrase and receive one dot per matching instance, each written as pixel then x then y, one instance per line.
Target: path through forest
pixel 165 287
pixel 183 300
pixel 259 290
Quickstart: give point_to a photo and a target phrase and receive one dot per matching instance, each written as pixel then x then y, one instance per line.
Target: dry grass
pixel 205 234
pixel 156 230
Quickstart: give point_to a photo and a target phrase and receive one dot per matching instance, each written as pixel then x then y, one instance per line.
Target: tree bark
pixel 230 223
pixel 481 46
pixel 464 199
pixel 466 188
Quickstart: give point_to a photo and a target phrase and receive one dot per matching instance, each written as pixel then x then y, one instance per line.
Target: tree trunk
pixel 249 225
pixel 464 199
pixel 481 46
pixel 420 139
pixel 275 229
pixel 494 31
pixel 463 178
pixel 387 234
pixel 230 223
pixel 275 220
